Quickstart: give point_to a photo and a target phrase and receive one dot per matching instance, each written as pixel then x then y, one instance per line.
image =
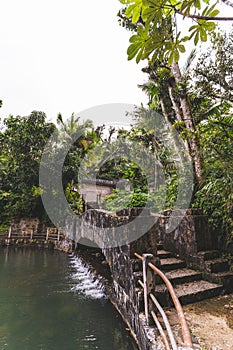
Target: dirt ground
pixel 211 322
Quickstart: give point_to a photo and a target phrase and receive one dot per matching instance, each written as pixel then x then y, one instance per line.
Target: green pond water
pixel 49 300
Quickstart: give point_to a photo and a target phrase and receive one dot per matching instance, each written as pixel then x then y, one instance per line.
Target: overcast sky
pixel 64 56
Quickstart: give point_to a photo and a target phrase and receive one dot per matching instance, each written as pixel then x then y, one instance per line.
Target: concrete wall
pixel 94 192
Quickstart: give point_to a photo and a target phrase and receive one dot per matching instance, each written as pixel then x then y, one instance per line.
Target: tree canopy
pixel 156 22
pixel 21 142
pixel 196 100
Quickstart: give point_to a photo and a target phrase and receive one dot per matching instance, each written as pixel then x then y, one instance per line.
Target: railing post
pixel 31 235
pixel 47 235
pixel 58 234
pixel 145 284
pixel 9 232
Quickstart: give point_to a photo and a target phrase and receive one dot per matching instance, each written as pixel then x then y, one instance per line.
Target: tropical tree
pixel 81 136
pixel 213 74
pixel 216 196
pixel 158 27
pixel 21 142
pixel 159 40
pixel 209 87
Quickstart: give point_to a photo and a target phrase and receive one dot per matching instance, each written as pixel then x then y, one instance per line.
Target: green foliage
pixel 153 190
pixel 134 9
pixel 157 30
pixel 80 137
pixel 208 86
pixel 74 199
pixel 122 168
pixel 21 143
pixel 216 196
pixel 139 43
pixel 214 70
pixel 4 228
pixel 120 199
pixel 157 201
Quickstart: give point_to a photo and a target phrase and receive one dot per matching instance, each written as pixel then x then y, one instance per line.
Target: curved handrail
pixel 166 322
pixel 184 326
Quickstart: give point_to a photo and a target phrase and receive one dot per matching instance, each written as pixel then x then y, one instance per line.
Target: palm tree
pixel 72 125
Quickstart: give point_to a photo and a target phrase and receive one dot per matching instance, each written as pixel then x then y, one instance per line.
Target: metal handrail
pixel 166 322
pixel 161 331
pixel 184 326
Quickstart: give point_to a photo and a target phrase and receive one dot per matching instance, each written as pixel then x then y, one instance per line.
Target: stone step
pixel 225 278
pixel 208 254
pixel 183 276
pixel 188 292
pixel 175 276
pixel 163 254
pixel 159 246
pixel 216 265
pixel 196 291
pixel 169 264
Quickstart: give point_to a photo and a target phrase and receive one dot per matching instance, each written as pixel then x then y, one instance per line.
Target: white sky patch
pixel 64 57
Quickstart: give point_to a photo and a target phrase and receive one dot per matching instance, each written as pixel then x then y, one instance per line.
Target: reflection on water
pixel 49 301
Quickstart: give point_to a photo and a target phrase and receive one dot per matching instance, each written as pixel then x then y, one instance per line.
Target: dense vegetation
pixel 196 100
pixel 22 140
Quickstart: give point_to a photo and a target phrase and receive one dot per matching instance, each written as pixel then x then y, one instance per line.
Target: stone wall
pixel 99 228
pixel 30 226
pixel 25 226
pixel 190 236
pixel 124 295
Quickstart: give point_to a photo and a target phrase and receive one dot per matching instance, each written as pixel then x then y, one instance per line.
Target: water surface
pixel 50 301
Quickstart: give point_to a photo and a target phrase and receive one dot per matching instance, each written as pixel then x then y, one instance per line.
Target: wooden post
pixel 31 235
pixel 9 233
pixel 58 234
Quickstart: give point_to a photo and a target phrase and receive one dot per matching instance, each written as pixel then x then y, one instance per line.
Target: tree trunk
pixel 174 104
pixel 188 120
pixel 168 121
pixel 164 109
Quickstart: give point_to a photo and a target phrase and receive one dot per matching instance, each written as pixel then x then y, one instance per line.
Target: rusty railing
pixel 187 340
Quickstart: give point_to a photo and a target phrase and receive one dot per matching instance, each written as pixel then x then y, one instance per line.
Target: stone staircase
pixel 208 277
pixel 215 269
